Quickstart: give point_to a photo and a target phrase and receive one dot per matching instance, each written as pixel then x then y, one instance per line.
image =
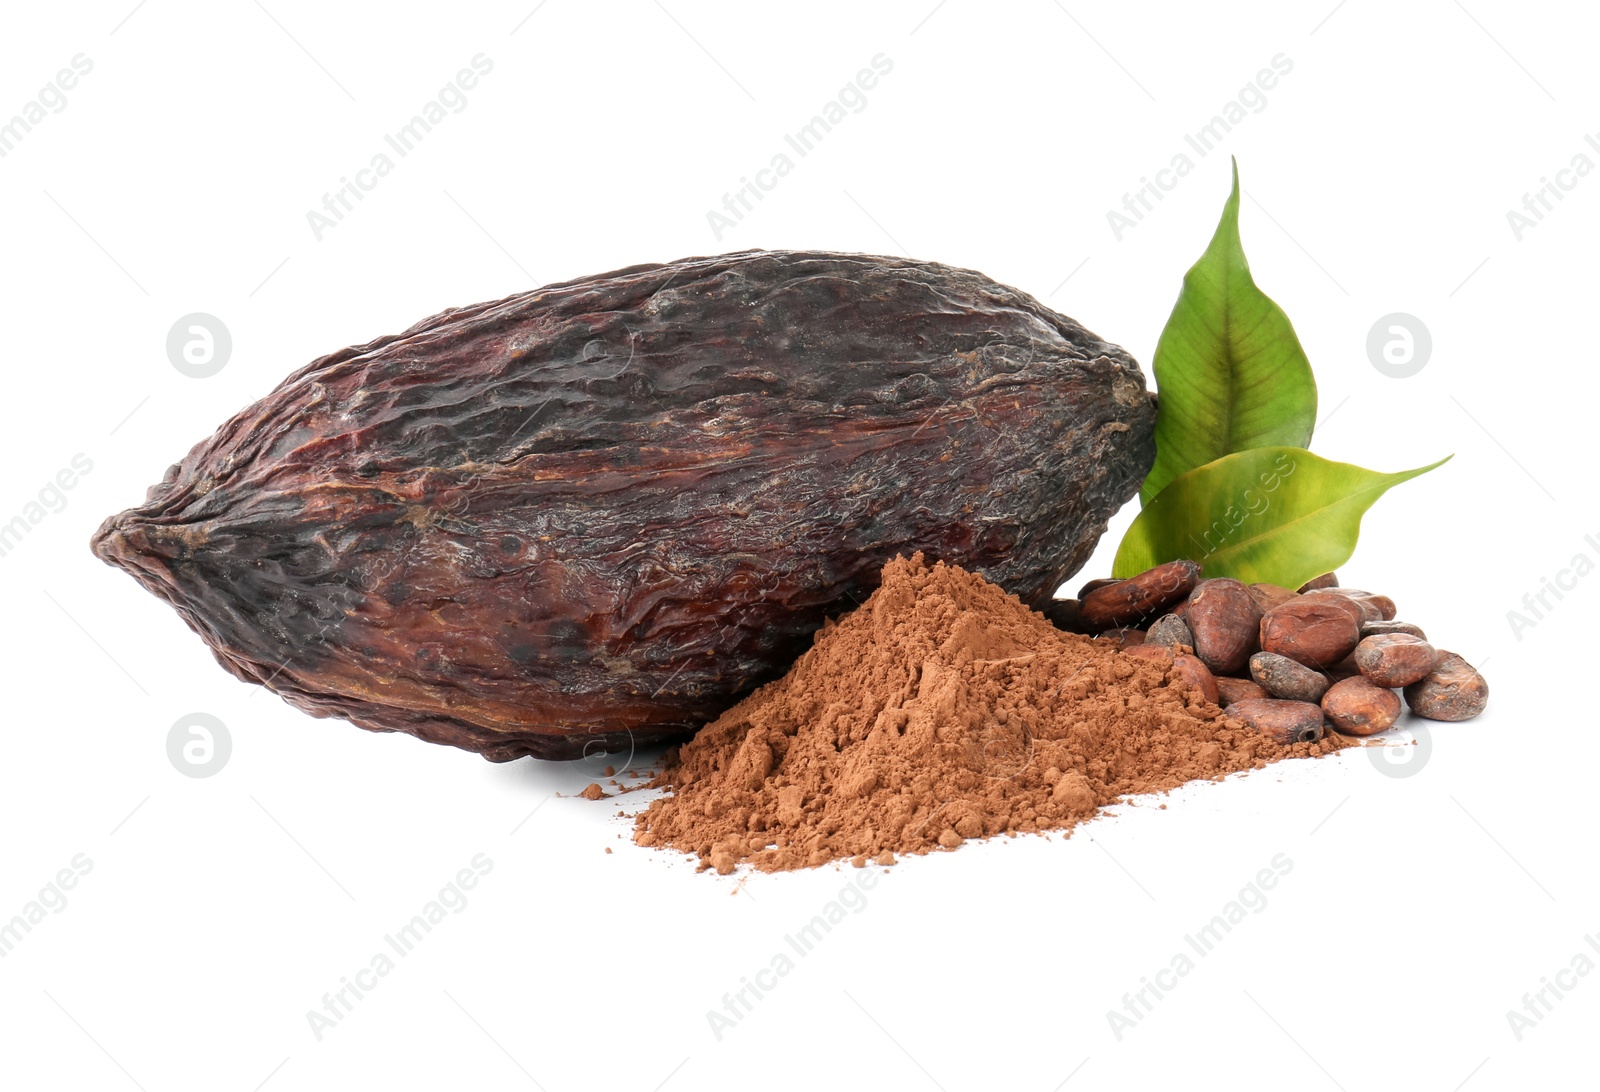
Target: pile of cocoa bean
pixel 1289 663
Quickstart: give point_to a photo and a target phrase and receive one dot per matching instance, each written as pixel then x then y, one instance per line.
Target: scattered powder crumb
pixel 609 771
pixel 593 792
pixel 942 710
pixel 608 849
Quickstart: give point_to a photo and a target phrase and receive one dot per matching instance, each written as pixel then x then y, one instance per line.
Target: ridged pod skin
pixel 597 513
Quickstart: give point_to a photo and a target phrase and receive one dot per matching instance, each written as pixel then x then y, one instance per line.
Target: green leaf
pixel 1275 515
pixel 1229 368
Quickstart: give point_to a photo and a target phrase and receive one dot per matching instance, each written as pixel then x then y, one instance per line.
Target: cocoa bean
pixel 1395 659
pixel 1316 631
pixel 1360 707
pixel 1374 608
pixel 1268 596
pixel 1226 624
pixel 1357 607
pixel 1370 628
pixel 1385 605
pixel 1233 690
pixel 1284 678
pixel 1453 690
pixel 1370 603
pixel 1326 580
pixel 1172 631
pixel 1096 584
pixel 1343 669
pixel 1137 598
pixel 1280 721
pixel 1123 636
pixel 1066 614
pixel 1196 675
pixel 1156 654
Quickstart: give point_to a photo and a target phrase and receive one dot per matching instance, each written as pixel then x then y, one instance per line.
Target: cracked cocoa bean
pixel 1453 690
pixel 1358 706
pixel 1280 721
pixel 1226 624
pixel 1395 659
pixel 1284 678
pixel 1315 631
pixel 1137 598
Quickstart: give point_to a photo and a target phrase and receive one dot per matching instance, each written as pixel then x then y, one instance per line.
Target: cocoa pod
pixel 1358 706
pixel 1370 628
pixel 1196 675
pixel 1315 631
pixel 1236 690
pixel 1226 624
pixel 1453 690
pixel 1284 678
pixel 1326 580
pixel 1395 659
pixel 1172 631
pixel 1280 721
pixel 598 513
pixel 1126 602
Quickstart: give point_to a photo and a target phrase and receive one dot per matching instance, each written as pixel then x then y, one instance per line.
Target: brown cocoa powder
pixel 942 710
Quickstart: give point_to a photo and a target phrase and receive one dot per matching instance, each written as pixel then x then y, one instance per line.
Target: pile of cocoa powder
pixel 942 710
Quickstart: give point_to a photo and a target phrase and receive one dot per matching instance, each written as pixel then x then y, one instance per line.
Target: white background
pixel 218 911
